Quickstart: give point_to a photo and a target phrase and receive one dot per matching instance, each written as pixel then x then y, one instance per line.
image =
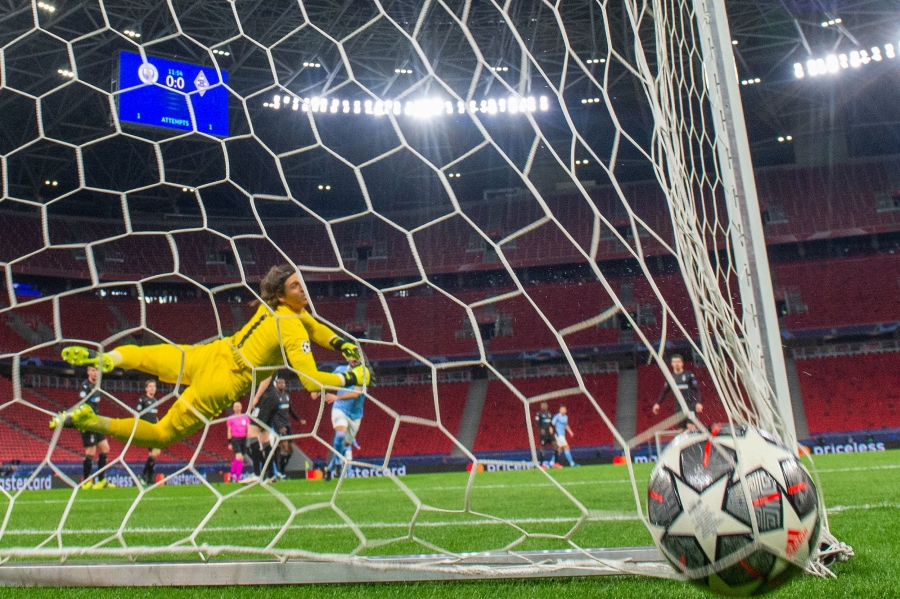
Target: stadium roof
pixel 264 43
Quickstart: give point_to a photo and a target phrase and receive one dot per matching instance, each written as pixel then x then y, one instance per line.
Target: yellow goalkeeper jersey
pixel 282 337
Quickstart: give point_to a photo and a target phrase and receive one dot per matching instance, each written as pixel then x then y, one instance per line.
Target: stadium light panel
pixel 835 63
pixel 416 108
pixel 46 7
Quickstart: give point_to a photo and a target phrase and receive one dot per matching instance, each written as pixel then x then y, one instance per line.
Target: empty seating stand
pixel 851 393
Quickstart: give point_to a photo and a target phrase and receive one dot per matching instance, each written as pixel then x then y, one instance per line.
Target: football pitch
pixel 862 492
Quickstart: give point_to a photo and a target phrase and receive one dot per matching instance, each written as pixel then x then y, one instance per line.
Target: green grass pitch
pixel 862 492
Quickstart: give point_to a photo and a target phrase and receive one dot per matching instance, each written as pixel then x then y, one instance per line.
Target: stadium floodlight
pixel 131 33
pixel 835 63
pixel 46 7
pixel 417 108
pixel 66 73
pixel 784 138
pixel 831 23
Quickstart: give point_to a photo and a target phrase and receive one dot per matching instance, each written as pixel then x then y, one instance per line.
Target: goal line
pixel 338 569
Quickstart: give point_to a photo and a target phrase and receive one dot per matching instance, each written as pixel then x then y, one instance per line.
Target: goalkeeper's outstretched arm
pixel 299 354
pixel 324 336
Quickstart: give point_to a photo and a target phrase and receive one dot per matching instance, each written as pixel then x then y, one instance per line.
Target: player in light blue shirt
pixel 561 428
pixel 346 416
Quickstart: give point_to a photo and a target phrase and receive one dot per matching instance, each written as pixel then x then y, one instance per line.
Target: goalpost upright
pixel 748 244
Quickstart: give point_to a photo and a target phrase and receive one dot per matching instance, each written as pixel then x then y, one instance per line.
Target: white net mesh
pixel 365 143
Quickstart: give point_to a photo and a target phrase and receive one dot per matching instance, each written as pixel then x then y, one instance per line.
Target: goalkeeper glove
pixel 345 347
pixel 358 377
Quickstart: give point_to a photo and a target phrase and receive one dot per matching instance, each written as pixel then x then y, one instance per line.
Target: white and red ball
pixel 735 511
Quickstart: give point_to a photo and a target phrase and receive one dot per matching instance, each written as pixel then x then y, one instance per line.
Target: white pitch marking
pixel 343 492
pixel 865 506
pixel 597 517
pixel 859 468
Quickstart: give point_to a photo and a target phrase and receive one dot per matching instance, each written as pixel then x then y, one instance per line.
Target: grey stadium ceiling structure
pixel 263 44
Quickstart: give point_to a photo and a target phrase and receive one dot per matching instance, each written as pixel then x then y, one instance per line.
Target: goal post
pixel 760 317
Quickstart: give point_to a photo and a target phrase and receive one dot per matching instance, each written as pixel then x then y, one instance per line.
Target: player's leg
pixel 180 421
pixel 553 451
pixel 102 457
pixel 149 473
pixel 237 465
pixel 266 416
pixel 265 448
pixel 90 450
pixel 568 453
pixel 339 422
pixel 333 467
pixel 350 438
pixel 164 361
pixel 255 451
pixel 285 450
pixel 261 414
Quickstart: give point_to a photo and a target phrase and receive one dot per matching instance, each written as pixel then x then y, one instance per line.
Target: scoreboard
pixel 161 93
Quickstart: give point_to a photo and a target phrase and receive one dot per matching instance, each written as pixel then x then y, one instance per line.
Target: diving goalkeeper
pixel 218 373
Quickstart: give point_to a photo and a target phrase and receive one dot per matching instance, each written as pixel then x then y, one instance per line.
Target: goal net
pixel 495 200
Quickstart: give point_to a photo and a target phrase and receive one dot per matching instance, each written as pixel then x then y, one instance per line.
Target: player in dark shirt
pixel 689 387
pixel 544 421
pixel 89 393
pixel 146 407
pixel 273 408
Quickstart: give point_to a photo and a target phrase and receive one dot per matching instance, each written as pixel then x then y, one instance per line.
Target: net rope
pixel 659 54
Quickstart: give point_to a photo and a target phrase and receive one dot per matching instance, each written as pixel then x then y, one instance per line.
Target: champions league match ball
pixel 734 511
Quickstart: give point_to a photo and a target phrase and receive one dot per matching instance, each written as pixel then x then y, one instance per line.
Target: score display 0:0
pixel 175 82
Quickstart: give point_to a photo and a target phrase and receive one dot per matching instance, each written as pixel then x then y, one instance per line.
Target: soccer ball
pixel 698 500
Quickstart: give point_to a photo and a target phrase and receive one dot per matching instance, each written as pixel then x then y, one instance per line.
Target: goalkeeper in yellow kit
pixel 218 373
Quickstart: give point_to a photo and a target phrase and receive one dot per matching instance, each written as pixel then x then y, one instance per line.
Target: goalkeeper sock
pixel 237 469
pixel 256 456
pixel 101 464
pixel 569 457
pixel 87 466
